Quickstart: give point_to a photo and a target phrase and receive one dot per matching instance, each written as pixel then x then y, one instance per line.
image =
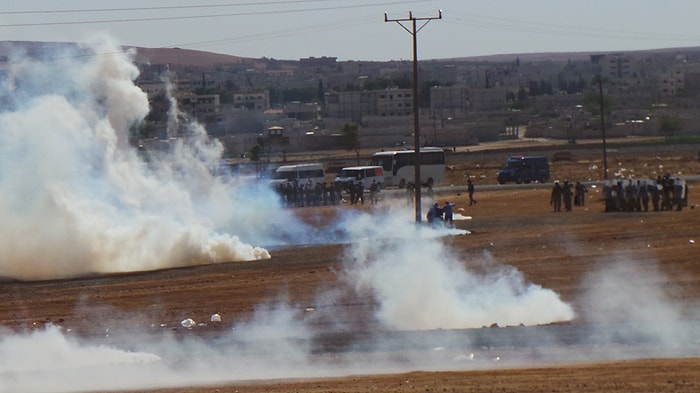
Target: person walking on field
pixel 374 192
pixel 448 214
pixel 470 189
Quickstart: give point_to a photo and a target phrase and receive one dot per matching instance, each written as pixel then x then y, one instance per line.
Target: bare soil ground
pixel 515 224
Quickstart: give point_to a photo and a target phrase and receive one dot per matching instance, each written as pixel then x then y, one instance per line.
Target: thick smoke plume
pixel 75 197
pixel 420 283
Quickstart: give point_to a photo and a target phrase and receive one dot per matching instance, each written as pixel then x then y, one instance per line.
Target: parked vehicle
pixel 399 166
pixel 362 174
pixel 524 170
pixel 301 174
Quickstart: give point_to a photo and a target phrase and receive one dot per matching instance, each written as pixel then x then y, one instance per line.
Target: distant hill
pixel 185 57
pixel 155 56
pixel 197 58
pixel 569 56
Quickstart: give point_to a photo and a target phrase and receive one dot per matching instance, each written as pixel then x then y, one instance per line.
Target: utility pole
pixel 413 31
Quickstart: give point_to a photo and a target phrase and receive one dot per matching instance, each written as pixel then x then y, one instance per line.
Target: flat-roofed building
pixel 259 101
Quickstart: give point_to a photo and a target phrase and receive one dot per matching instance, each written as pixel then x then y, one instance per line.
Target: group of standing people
pixel 441 215
pixel 664 193
pixel 629 195
pixel 295 194
pixel 568 195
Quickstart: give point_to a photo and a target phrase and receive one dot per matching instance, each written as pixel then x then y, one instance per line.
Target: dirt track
pixel 515 226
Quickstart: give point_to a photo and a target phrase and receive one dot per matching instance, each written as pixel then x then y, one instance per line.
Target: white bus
pixel 399 166
pixel 301 174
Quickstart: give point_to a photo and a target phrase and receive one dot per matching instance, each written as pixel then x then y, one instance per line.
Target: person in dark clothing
pixel 360 193
pixel 351 192
pixel 470 189
pixel 555 199
pixel 567 195
pixel 374 192
pixel 434 214
pixel 643 195
pixel 448 214
pixel 580 194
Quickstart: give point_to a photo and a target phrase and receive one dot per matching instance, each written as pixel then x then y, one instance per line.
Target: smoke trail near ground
pixel 627 301
pixel 421 284
pixel 76 199
pixel 281 341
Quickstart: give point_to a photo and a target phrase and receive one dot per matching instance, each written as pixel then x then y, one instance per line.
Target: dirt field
pixel 655 253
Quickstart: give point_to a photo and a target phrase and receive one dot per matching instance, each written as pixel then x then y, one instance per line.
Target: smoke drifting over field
pixel 421 284
pixel 76 199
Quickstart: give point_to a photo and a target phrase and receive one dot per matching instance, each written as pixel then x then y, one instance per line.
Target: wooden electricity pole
pixel 413 31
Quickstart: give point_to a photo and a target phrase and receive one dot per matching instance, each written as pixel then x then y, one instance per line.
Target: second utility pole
pixel 416 127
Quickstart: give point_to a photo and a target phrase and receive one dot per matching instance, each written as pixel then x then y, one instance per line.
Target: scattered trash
pixel 463 357
pixel 309 309
pixel 188 323
pixel 691 241
pixel 215 318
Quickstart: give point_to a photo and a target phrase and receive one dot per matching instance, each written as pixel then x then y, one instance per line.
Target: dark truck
pixel 524 170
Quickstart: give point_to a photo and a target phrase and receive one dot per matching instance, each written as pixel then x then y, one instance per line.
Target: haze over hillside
pixel 197 58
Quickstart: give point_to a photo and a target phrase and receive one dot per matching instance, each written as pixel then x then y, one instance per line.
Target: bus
pixel 399 166
pixel 301 174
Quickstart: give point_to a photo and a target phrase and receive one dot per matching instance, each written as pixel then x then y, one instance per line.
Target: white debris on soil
pixel 188 323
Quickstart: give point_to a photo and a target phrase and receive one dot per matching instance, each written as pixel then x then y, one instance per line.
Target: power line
pixel 504 24
pixel 204 16
pixel 273 34
pixel 182 7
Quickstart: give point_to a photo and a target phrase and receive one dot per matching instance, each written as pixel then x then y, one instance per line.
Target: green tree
pixel 591 103
pixel 254 156
pixel 351 139
pixel 669 125
pixel 321 94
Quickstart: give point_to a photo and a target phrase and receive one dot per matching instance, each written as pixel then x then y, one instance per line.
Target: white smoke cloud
pixel 628 301
pixel 75 197
pixel 421 284
pixel 418 282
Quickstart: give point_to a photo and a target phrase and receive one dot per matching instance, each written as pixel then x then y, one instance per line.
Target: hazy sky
pixel 355 29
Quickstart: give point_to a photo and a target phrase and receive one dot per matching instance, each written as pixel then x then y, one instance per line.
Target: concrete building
pixel 672 83
pixel 153 88
pixel 200 106
pixel 394 102
pixel 259 101
pixel 353 105
pixel 302 111
pixel 467 98
pixel 617 66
